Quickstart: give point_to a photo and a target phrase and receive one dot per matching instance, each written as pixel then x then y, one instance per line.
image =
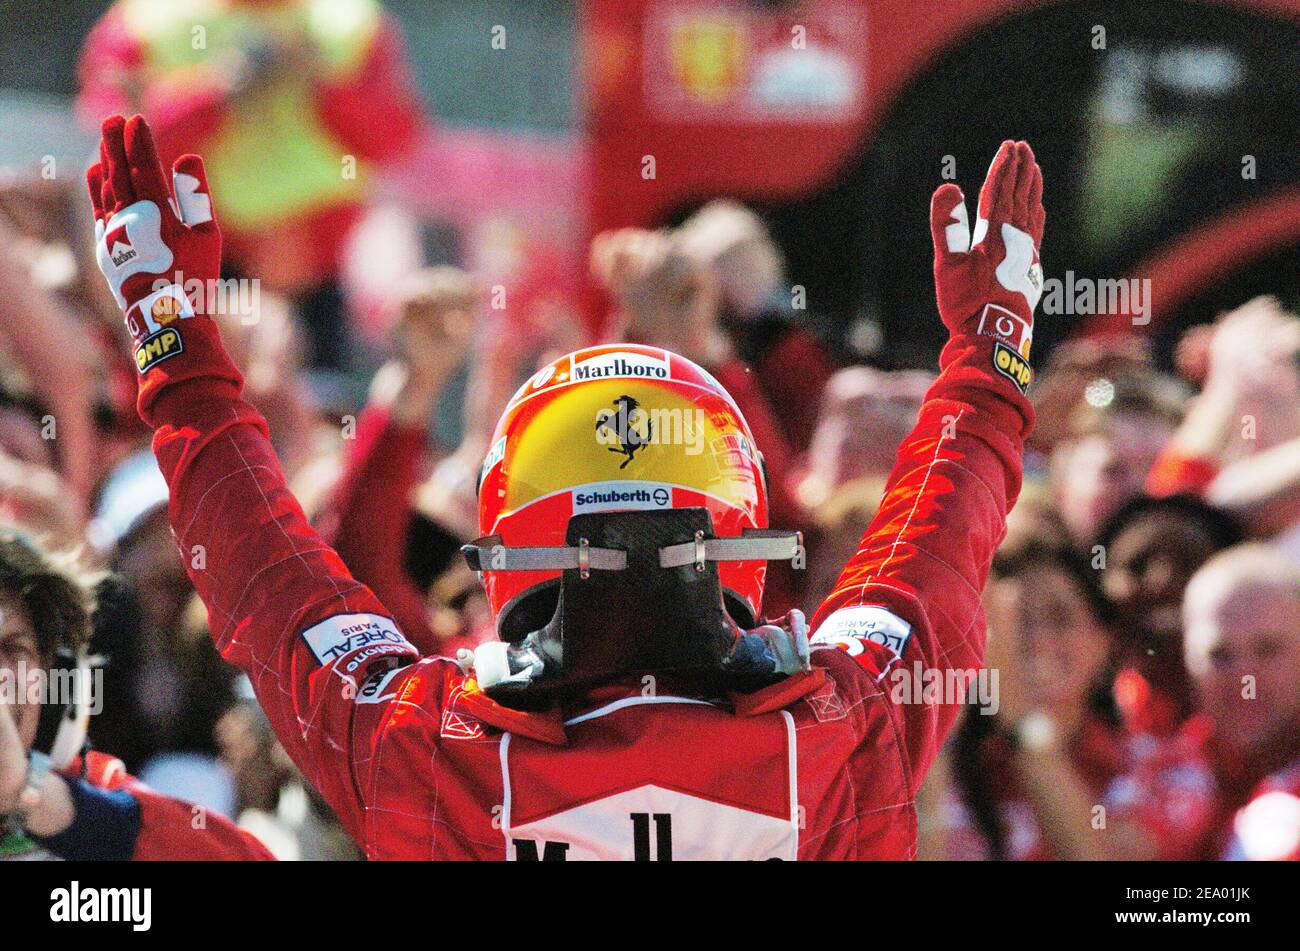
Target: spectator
pixel 167 682
pixel 1062 384
pixel 1228 785
pixel 41 338
pixel 57 797
pixel 294 104
pixel 757 311
pixel 1250 401
pixel 1115 436
pixel 1024 770
pixel 864 415
pixel 664 298
pixel 1146 553
pixel 275 804
pixel 370 520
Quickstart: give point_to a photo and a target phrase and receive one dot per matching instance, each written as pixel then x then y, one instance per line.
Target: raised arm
pixel 281 604
pixel 912 590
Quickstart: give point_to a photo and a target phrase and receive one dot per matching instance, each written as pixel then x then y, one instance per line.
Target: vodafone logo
pixel 1007 326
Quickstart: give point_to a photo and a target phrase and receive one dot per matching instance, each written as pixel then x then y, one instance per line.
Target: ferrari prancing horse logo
pixel 628 426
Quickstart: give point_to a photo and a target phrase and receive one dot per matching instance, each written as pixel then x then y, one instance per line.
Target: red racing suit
pixel 172 830
pixel 418 763
pixel 168 829
pixel 1196 798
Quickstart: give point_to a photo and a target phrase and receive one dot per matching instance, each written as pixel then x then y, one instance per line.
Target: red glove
pixel 159 247
pixel 990 285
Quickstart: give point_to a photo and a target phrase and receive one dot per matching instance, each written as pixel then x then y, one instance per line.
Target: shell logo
pixel 166 309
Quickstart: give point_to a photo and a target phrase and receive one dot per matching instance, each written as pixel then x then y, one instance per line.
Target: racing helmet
pixel 619 429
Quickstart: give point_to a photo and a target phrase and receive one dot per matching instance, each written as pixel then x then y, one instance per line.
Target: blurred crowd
pixel 1144 611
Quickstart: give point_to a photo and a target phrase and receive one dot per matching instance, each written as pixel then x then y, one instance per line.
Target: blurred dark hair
pixel 55 592
pixel 430 550
pixel 1040 552
pixel 1222 528
pixel 970 773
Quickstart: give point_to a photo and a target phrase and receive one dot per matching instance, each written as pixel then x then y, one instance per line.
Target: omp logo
pixel 604 496
pixel 607 365
pixel 1012 365
pixel 367 635
pixel 156 348
pixel 120 249
pixel 849 630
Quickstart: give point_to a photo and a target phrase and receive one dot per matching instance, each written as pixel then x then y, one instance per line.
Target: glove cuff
pixel 183 351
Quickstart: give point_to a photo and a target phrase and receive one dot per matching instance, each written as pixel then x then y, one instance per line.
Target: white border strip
pixel 504 751
pixel 792 745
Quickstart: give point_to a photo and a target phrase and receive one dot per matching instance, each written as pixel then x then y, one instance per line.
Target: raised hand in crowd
pixel 1250 400
pixel 436 316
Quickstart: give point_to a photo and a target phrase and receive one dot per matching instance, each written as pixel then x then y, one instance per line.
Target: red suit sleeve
pixel 281 604
pixel 369 518
pixel 172 830
pixel 915 584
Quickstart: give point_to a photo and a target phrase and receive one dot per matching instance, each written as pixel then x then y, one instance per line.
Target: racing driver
pixel 637 705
